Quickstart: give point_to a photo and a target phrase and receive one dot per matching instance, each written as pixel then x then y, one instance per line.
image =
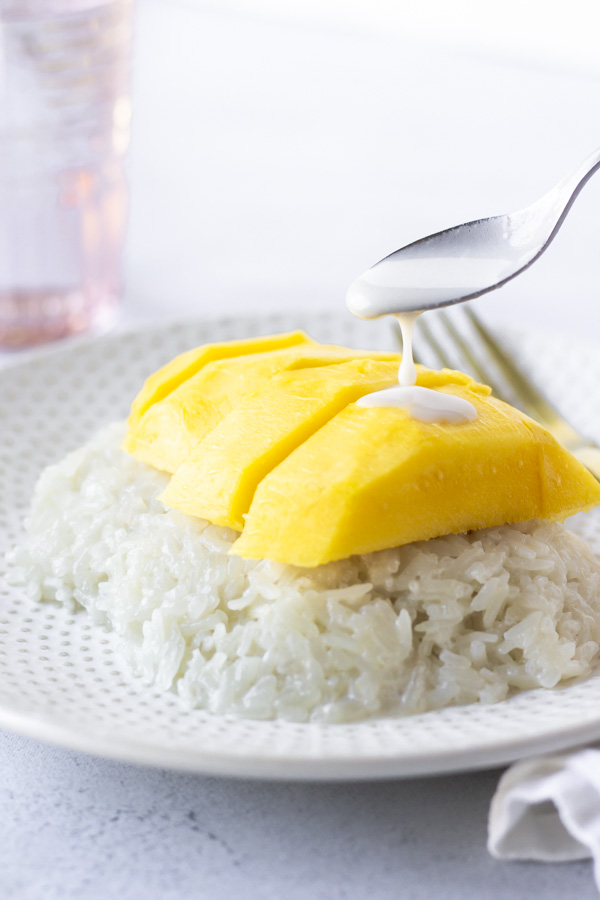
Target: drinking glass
pixel 65 113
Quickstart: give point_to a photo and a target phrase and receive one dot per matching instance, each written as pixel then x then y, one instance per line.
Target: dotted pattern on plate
pixel 60 678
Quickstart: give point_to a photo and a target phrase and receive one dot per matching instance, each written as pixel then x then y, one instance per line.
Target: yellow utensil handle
pixel 590 457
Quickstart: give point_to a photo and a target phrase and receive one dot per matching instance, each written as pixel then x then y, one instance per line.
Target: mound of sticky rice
pixel 454 620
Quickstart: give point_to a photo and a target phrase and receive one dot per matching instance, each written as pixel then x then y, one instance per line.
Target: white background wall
pixel 278 150
pixel 555 30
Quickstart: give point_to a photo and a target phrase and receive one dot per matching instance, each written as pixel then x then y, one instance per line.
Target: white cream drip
pixel 407 373
pixel 422 403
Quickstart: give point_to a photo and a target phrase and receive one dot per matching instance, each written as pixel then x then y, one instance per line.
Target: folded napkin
pixel 548 809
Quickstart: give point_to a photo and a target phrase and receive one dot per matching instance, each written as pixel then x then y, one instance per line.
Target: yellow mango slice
pixel 373 478
pixel 171 428
pixel 219 477
pixel 161 383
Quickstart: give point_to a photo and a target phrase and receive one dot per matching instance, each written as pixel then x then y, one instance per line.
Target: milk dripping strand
pixel 422 403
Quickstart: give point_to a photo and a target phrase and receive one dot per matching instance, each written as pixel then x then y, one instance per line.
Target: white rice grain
pixel 459 619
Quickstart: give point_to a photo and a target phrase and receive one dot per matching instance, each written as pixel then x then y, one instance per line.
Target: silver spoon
pixel 468 260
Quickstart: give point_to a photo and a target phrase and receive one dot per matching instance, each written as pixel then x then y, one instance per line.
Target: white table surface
pixel 271 162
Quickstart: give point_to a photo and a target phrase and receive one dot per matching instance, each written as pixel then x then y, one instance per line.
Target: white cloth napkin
pixel 548 809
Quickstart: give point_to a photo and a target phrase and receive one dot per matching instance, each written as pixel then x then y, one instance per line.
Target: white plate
pixel 61 681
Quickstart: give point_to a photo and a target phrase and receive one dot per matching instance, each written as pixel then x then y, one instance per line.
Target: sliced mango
pixel 218 479
pixel 171 428
pixel 373 478
pixel 161 383
pixel 265 437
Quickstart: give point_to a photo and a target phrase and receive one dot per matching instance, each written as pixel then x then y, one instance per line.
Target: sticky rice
pixel 455 620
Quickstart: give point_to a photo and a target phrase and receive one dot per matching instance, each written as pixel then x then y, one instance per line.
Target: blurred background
pixel 280 149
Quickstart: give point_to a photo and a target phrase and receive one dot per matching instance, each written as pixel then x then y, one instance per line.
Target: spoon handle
pixel 575 180
pixel 559 200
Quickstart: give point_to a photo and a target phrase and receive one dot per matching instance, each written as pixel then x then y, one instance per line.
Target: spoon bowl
pixel 468 260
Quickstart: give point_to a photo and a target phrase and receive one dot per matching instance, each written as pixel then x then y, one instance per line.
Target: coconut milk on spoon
pixel 458 264
pixel 424 404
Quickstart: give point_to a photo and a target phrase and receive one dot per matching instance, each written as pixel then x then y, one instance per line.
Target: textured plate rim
pixel 293 768
pixel 481 754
